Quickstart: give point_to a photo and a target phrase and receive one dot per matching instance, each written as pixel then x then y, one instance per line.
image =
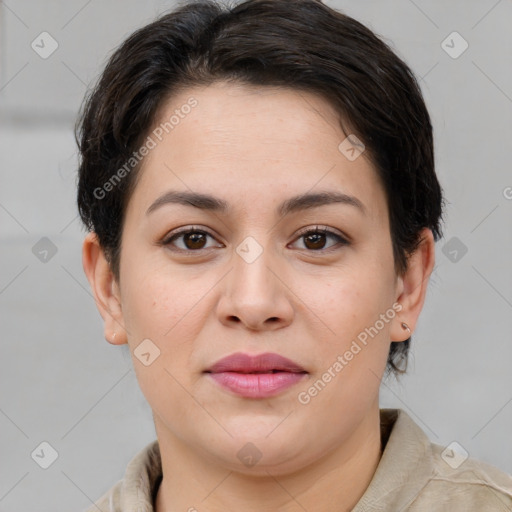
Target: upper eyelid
pixel 322 229
pixel 184 231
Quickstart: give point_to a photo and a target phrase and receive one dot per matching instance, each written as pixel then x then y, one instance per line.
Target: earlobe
pixel 400 329
pixel 104 288
pixel 414 284
pixel 406 327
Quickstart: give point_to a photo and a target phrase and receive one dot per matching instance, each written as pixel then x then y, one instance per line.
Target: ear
pixel 412 286
pixel 105 289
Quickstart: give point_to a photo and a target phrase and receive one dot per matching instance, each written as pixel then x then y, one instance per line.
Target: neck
pixel 335 481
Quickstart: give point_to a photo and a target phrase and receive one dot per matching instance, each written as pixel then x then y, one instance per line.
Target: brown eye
pixel 190 240
pixel 316 239
pixel 194 240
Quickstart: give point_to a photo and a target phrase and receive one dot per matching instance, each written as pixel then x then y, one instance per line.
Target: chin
pixel 257 453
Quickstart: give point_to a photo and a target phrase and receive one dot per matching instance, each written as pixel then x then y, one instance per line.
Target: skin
pixel 255 147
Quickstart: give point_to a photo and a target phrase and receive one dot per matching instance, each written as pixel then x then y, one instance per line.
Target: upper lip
pixel 260 363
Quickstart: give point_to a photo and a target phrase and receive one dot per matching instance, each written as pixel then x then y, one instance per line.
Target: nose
pixel 255 296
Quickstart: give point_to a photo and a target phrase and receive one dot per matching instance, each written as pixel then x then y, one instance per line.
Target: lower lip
pixel 257 385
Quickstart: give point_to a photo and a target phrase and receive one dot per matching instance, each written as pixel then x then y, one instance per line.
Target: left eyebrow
pixel 293 204
pixel 313 200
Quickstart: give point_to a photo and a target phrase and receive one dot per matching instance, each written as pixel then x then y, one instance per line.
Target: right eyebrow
pixel 202 201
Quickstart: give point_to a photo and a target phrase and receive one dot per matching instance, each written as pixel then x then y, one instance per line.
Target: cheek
pixel 348 298
pixel 158 308
pixel 156 303
pixel 352 305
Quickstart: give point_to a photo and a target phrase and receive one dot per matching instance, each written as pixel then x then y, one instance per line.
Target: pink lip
pixel 259 376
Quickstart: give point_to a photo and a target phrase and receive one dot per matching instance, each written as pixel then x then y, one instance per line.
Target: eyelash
pixel 167 241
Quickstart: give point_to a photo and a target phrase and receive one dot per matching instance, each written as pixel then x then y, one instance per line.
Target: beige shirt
pixel 413 475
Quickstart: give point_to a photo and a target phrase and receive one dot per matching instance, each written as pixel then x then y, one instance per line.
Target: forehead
pixel 253 142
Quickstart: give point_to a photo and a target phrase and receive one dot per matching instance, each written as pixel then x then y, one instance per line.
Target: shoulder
pixel 136 490
pixel 466 484
pixel 416 475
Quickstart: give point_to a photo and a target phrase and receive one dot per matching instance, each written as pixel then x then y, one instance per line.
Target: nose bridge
pixel 251 274
pixel 254 295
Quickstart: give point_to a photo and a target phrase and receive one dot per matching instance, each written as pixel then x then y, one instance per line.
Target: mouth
pixel 260 376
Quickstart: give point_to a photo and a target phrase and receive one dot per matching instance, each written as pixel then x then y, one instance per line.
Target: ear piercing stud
pixel 405 327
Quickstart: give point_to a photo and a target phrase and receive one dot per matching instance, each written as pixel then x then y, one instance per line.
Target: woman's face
pixel 251 280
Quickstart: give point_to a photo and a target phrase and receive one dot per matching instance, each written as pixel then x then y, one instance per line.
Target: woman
pixel 259 186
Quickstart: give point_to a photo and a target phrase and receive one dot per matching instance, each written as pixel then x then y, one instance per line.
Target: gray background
pixel 64 384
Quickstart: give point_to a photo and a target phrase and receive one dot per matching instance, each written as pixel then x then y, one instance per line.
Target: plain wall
pixel 64 384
